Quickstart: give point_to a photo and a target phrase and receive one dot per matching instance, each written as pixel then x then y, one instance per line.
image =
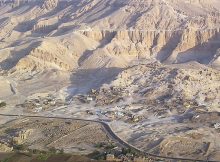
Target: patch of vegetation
pixel 3 104
pixel 97 155
pixel 34 151
pixel 61 151
pixel 43 156
pixel 110 146
pixel 8 130
pixel 20 147
pixel 100 145
pixel 53 150
pixel 126 151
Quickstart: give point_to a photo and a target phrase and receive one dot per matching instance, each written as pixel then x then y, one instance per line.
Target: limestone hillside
pixel 68 34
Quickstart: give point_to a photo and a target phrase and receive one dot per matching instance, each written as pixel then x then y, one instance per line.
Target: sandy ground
pixel 64 49
pixel 156 127
pixel 71 136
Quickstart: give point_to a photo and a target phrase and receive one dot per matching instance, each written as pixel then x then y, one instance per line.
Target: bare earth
pixel 148 68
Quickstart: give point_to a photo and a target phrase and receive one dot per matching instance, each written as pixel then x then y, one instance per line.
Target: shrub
pixel 99 145
pixel 43 157
pixel 35 151
pixel 61 151
pixel 20 147
pixel 97 155
pixel 2 104
pixel 110 146
pixel 128 151
pixel 53 150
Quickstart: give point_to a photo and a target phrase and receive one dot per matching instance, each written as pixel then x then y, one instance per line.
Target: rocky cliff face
pixel 118 48
pixel 50 4
pixel 166 46
pixel 117 32
pixel 42 58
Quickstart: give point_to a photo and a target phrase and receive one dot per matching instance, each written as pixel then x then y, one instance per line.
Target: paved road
pixel 113 136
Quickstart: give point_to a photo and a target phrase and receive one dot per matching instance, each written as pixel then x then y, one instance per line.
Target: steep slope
pixel 89 35
pixel 175 85
pixel 123 31
pixel 149 67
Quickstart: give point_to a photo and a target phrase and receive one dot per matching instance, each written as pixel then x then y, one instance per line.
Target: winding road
pixel 113 136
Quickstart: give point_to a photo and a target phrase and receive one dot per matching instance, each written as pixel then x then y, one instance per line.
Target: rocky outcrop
pixel 46 26
pixel 43 57
pixel 50 4
pixel 21 136
pixel 99 35
pixel 5 148
pixel 16 3
pixel 169 31
pixel 118 48
pixel 154 82
pixel 196 45
pixel 169 46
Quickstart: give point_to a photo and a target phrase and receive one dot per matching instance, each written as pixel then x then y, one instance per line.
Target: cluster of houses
pixel 107 96
pixel 42 103
pixel 116 115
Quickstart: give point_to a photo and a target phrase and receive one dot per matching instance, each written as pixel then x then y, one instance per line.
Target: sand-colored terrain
pixel 149 68
pixel 53 45
pixel 43 134
pixel 65 35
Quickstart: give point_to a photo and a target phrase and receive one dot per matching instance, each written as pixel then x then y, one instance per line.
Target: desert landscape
pixel 115 80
